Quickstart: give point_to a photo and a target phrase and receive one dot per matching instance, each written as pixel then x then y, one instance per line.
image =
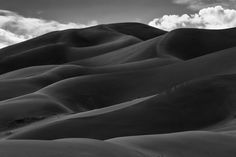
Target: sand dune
pixel 124 89
pixel 137 30
pixel 190 43
pixel 70 148
pixel 183 144
pixel 174 110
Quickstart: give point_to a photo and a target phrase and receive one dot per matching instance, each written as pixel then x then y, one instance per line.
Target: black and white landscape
pixel 137 90
pixel 119 90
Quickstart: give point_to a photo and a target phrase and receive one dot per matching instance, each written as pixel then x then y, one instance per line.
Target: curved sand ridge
pixel 123 89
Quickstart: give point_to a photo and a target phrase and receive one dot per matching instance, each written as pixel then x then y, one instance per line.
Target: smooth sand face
pixel 139 91
pixel 182 144
pixel 67 148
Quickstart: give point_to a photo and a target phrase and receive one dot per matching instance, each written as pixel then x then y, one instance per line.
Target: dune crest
pixel 124 89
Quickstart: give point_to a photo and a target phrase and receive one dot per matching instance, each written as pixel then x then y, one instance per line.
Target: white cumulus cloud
pixel 15 28
pixel 208 18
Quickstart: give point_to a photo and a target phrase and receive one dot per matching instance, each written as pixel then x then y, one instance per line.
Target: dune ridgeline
pixel 120 90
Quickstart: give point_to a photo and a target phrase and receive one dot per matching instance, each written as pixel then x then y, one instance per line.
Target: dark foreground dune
pixel 124 89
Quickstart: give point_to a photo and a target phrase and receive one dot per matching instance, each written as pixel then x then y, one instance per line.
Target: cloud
pixel 209 18
pixel 200 4
pixel 15 28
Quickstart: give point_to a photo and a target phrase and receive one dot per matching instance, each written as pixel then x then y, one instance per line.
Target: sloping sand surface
pixel 124 89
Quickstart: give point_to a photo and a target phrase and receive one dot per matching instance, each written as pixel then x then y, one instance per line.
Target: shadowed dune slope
pixel 120 79
pixel 177 109
pixel 185 144
pixel 137 52
pixel 141 31
pixel 124 89
pixel 190 43
pixel 70 148
pixel 82 93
